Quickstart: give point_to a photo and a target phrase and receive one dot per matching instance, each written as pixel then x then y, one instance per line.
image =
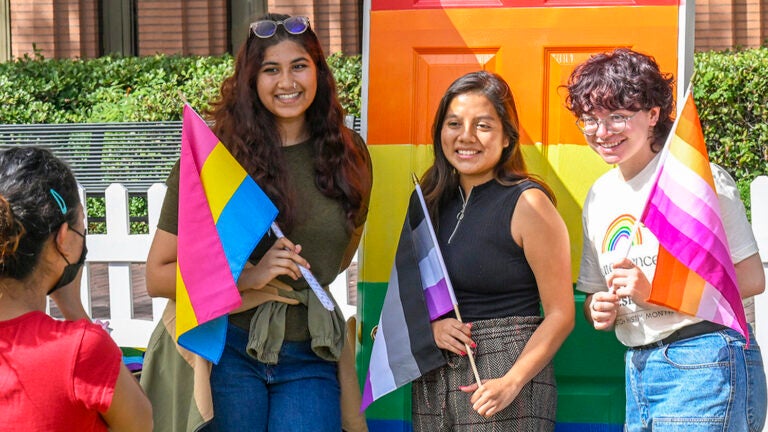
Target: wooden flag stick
pixel 445 271
pixel 181 96
pixel 470 355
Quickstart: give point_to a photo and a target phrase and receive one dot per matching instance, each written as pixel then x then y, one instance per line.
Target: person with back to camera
pixel 682 373
pixel 279 115
pixel 507 253
pixel 55 375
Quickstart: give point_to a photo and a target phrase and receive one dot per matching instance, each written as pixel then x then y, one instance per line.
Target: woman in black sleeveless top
pixel 507 253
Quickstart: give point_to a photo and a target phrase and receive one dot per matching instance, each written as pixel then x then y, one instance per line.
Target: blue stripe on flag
pixel 249 210
pixel 199 339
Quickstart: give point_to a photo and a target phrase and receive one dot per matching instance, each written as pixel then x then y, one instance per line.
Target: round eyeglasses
pixel 267 28
pixel 614 123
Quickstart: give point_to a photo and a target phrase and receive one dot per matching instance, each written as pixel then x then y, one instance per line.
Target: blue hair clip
pixel 59 201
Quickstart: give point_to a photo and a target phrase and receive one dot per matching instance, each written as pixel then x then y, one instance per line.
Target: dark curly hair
pixel 623 79
pixel 29 211
pixel 249 130
pixel 440 183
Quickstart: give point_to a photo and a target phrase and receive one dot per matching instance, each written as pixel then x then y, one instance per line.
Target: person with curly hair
pixel 682 373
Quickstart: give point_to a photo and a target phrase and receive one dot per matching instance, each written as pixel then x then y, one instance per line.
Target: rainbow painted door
pixel 416 48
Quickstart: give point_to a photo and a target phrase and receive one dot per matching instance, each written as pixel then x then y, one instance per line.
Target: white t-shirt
pixel 610 210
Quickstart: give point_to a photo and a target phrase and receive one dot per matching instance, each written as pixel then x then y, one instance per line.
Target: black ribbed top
pixel 488 269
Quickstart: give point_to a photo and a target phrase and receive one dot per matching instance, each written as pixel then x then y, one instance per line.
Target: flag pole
pixel 470 355
pixel 657 172
pixel 469 352
pixel 183 99
pixel 308 276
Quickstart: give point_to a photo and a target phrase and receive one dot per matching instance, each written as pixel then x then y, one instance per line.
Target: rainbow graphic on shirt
pixel 619 232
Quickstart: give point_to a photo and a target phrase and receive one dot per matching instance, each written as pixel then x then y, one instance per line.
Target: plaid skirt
pixel 439 405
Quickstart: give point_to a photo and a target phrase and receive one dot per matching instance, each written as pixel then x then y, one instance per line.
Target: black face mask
pixel 71 269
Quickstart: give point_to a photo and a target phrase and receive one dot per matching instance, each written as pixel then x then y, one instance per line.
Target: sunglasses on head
pixel 267 28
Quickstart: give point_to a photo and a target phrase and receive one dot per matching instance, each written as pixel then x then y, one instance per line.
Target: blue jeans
pixel 705 383
pixel 299 393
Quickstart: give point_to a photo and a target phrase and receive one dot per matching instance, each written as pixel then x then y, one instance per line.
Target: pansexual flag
pixel 695 274
pixel 419 291
pixel 222 216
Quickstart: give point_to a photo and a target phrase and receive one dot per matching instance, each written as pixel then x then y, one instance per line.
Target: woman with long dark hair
pixel 279 115
pixel 507 253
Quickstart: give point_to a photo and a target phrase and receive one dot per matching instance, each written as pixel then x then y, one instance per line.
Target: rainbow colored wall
pixel 416 49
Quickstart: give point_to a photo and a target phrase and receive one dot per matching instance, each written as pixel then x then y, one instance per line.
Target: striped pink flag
pixel 695 274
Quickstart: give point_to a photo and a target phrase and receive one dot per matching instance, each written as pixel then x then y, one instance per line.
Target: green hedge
pixel 129 89
pixel 731 93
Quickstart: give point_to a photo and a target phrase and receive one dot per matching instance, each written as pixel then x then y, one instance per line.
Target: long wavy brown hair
pixel 441 181
pixel 250 131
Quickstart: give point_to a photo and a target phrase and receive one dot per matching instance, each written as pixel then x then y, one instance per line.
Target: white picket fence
pixel 118 250
pixel 759 198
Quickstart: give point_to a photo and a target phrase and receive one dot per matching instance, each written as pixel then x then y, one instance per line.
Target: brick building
pixel 90 28
pixel 723 24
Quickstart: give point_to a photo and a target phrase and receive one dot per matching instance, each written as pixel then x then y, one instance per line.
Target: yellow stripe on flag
pixel 692 294
pixel 185 315
pixel 220 188
pixel 688 154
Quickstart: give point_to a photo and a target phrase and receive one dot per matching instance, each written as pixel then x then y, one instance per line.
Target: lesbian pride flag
pixel 694 274
pixel 419 291
pixel 222 216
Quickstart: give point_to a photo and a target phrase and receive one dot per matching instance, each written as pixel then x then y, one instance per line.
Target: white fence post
pixel 118 249
pixel 759 198
pixel 118 230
